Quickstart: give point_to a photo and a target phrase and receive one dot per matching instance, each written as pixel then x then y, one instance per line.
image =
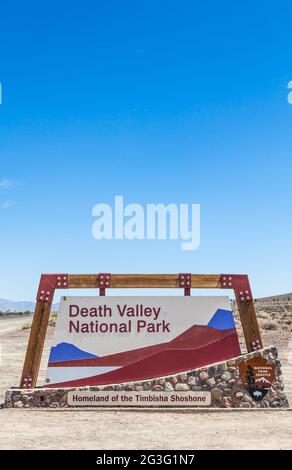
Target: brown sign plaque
pixel 257 375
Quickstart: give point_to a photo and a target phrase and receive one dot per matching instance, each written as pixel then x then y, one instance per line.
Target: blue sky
pixel 159 102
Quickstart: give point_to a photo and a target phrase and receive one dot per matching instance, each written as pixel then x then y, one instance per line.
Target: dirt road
pixel 26 429
pixel 10 324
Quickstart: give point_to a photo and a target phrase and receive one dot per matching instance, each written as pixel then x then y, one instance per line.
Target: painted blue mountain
pixel 68 352
pixel 222 320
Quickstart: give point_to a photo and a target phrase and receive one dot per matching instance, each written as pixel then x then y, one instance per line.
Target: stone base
pixel 222 382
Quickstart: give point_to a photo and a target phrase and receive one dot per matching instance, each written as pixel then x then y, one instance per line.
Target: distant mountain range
pixel 21 306
pixel 276 298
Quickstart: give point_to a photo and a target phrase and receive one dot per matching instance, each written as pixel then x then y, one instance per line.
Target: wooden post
pixel 35 345
pixel 250 325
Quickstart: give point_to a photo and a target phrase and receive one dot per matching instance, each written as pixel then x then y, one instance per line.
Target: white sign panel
pixel 108 340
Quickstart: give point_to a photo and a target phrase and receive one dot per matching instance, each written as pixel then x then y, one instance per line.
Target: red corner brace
pixel 239 283
pixel 48 284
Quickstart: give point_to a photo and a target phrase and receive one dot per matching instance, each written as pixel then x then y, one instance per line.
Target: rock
pixel 182 387
pixel 211 382
pixel 183 378
pixel 271 357
pixel 230 363
pixel 226 375
pixel 118 387
pixel 196 388
pixel 247 398
pixel 8 395
pixel 147 386
pixel 161 381
pixel 276 404
pixel 228 392
pixel 264 404
pixel 18 404
pixel 157 388
pixel 232 382
pixel 204 376
pixel 272 394
pixel 277 385
pixel 244 405
pixel 222 385
pixel 285 403
pixel 274 351
pixel 212 371
pixel 192 380
pixel 239 395
pixel 16 398
pixel 27 397
pixel 130 387
pixel 232 369
pixel 139 388
pixel 217 394
pixel 222 367
pixel 55 405
pixel 173 380
pixel 168 387
pixel 226 402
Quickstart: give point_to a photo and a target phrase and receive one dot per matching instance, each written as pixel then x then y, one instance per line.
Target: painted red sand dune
pixel 195 337
pixel 168 361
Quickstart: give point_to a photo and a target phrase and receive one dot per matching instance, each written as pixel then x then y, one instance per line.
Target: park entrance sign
pixel 105 340
pixel 149 351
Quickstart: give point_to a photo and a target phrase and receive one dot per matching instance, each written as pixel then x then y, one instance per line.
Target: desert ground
pixel 191 429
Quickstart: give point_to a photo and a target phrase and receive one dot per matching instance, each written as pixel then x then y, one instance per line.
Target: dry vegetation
pixel 53 319
pixel 275 321
pixel 273 315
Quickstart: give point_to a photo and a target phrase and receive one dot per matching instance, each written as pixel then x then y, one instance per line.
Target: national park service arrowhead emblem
pixel 257 375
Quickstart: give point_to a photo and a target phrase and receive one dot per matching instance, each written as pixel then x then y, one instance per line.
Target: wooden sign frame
pixel 102 281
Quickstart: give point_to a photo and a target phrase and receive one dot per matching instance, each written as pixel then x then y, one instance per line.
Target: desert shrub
pixel 269 325
pixel 262 314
